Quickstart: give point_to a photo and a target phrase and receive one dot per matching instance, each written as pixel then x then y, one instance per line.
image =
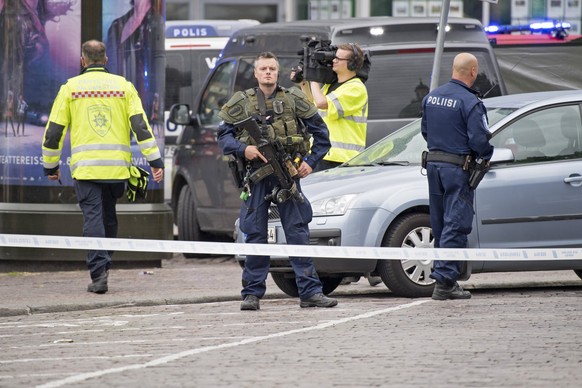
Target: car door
pixel 536 200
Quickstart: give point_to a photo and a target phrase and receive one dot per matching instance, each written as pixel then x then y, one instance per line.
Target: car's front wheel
pixel 187 221
pixel 287 284
pixel 408 278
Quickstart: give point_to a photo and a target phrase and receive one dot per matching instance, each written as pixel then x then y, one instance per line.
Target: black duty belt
pixel 440 156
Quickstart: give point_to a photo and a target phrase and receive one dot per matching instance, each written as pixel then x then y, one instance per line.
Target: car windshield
pixel 496 114
pixel 405 146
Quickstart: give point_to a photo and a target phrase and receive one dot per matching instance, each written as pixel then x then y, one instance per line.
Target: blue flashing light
pixel 537 27
pixel 542 26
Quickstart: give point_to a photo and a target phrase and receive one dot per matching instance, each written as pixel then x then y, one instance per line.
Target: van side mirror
pixel 180 114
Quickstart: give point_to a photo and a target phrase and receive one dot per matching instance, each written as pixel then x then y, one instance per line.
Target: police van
pixel 192 48
pixel 204 198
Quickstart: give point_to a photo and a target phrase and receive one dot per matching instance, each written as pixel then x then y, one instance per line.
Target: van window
pixel 185 72
pixel 192 49
pixel 216 94
pixel 401 79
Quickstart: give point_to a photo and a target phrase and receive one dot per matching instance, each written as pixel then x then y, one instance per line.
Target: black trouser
pixel 97 201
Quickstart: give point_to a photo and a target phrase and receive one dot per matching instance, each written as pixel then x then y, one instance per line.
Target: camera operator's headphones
pixel 353 62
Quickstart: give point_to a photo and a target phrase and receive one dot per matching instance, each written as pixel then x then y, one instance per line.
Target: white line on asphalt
pixel 49 359
pixel 173 357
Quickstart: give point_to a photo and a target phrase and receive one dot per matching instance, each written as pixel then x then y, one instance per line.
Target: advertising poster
pixel 130 32
pixel 39 50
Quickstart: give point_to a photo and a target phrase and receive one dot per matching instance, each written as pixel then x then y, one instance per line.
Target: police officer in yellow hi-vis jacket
pixel 101 110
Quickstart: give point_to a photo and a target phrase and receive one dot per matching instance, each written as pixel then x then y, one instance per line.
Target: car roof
pixel 372 21
pixel 523 99
pixel 213 22
pixel 289 37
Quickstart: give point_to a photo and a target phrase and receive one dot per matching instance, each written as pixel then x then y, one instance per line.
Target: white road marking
pixel 47 359
pixel 173 357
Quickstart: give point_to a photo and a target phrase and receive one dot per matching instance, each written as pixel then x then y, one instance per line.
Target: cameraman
pixel 343 105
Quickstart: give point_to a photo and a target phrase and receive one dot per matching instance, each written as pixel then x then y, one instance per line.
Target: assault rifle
pixel 278 163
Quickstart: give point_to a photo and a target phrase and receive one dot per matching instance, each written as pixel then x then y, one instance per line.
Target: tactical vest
pixel 283 125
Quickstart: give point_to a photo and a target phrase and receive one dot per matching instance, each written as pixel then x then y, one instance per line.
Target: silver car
pixel 530 198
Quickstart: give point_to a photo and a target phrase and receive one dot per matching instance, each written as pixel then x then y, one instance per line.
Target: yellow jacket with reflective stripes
pixel 346 118
pixel 101 110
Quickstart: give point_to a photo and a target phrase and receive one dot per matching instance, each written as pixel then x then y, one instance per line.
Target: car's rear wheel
pixel 287 284
pixel 408 278
pixel 186 220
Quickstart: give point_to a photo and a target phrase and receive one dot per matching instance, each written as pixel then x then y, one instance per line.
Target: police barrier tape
pixel 319 251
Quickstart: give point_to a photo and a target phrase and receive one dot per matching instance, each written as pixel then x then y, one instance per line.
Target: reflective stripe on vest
pixel 347 133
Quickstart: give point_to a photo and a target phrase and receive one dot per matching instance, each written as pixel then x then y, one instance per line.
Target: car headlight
pixel 333 206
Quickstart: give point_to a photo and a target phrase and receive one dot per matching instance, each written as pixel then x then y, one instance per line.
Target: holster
pixel 478 170
pixel 237 169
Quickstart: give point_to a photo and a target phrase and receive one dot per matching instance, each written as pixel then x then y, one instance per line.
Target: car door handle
pixel 574 179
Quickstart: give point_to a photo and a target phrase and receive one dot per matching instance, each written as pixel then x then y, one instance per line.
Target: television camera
pixel 317 61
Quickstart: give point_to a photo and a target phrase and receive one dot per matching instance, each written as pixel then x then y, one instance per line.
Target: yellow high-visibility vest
pixel 101 110
pixel 346 118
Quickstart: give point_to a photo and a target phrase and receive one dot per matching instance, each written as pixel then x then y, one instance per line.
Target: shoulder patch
pixel 235 110
pixel 302 105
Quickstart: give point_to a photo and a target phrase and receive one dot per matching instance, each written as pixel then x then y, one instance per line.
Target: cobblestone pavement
pixel 184 281
pixel 502 337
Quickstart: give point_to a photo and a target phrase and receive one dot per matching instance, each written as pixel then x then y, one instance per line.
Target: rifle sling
pixel 262 106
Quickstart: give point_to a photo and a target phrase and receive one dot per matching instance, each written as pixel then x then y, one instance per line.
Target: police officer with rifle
pixel 267 130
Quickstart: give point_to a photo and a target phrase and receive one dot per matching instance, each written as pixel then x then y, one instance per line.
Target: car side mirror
pixel 502 155
pixel 180 114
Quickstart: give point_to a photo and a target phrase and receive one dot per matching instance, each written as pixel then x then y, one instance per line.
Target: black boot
pixel 250 302
pixel 318 300
pixel 99 285
pixel 442 292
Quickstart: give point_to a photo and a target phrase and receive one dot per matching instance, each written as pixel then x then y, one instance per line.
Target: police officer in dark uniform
pixel 454 124
pixel 280 110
